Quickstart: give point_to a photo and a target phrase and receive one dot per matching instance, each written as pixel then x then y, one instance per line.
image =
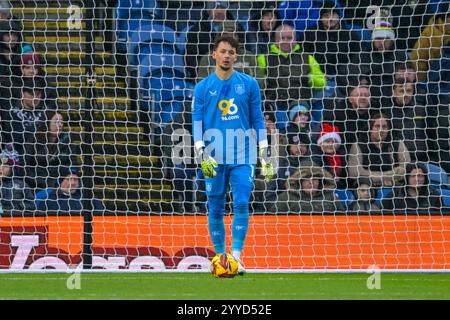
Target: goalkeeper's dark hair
pixel 228 39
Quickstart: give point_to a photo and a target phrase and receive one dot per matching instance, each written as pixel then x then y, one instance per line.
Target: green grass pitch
pixel 196 286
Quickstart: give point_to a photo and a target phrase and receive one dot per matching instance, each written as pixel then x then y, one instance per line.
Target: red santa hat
pixel 329 132
pixel 31 59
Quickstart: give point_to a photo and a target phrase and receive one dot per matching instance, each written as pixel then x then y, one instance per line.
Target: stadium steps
pixel 127 177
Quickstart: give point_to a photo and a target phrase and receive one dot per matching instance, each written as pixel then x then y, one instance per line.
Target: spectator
pixel 202 34
pixel 298 150
pixel 432 39
pixel 31 68
pixel 439 77
pixel 246 61
pixel 410 121
pixel 415 194
pixel 5 10
pixel 299 118
pixel 20 123
pixel 181 169
pixel 15 194
pixel 66 197
pixel 309 190
pixel 291 73
pixel 263 190
pixel 379 157
pixel 350 114
pixel 50 149
pixel 328 154
pixel 10 49
pixel 301 14
pixel 406 16
pixel 364 198
pixel 330 44
pixel 378 63
pixel 438 101
pixel 405 72
pixel 261 31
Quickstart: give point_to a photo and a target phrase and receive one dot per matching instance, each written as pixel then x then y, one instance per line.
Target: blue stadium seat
pixel 436 175
pixel 303 13
pixel 346 196
pixel 166 98
pixel 126 8
pixel 125 27
pixel 152 33
pixel 160 66
pixel 281 114
pixel 182 36
pixel 145 49
pixel 445 197
pixel 381 194
pixel 42 195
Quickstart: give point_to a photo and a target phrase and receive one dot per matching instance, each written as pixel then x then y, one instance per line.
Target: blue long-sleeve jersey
pixel 227 118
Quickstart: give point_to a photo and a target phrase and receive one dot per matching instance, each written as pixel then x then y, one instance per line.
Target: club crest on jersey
pixel 229 109
pixel 239 88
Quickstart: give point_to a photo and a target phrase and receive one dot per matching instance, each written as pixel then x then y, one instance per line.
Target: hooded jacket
pixel 295 200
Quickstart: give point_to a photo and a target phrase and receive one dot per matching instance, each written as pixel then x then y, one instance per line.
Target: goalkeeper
pixel 226 117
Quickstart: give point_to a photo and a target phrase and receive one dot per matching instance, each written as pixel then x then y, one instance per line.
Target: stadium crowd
pixel 352 112
pixel 39 163
pixel 356 116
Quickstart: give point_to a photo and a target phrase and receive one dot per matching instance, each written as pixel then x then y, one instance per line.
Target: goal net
pixel 98 167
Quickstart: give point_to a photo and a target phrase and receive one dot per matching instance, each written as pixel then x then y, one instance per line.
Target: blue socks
pixel 239 228
pixel 216 225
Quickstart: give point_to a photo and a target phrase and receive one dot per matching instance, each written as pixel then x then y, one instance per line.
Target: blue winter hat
pixel 296 108
pixel 64 171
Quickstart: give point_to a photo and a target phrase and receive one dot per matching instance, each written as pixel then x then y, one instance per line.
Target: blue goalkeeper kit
pixel 228 122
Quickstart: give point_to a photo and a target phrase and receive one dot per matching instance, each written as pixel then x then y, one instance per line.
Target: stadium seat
pixel 302 14
pixel 126 8
pixel 145 49
pixel 182 37
pixel 42 195
pixel 382 193
pixel 152 33
pixel 437 175
pixel 160 66
pixel 346 196
pixel 166 98
pixel 282 119
pixel 125 27
pixel 445 192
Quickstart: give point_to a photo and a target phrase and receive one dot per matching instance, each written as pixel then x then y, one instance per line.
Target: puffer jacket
pixel 295 200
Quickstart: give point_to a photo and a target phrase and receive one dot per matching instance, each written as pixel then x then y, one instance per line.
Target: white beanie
pixel 383 30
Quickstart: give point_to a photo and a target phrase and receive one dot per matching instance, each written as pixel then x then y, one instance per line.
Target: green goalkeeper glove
pixel 266 165
pixel 208 165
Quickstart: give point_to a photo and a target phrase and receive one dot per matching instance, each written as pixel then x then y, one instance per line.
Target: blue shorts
pixel 239 176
